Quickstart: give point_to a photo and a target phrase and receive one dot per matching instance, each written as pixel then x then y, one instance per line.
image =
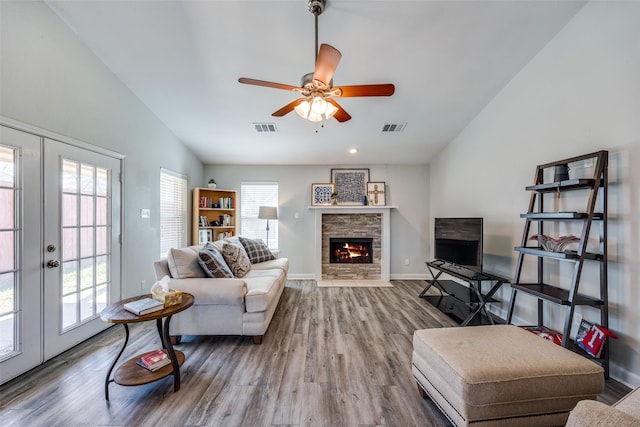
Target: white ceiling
pixel 447 59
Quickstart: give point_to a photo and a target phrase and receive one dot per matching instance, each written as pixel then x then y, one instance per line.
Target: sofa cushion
pixel 278 263
pixel 207 291
pixel 213 263
pixel 236 258
pixel 183 263
pixel 256 249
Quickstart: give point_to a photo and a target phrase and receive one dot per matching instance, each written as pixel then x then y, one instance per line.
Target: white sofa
pixel 226 306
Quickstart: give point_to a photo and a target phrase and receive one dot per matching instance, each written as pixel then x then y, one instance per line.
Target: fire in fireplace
pixel 351 250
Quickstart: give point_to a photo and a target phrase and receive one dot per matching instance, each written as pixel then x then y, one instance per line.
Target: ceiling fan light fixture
pixel 330 111
pixel 313 117
pixel 318 105
pixel 303 109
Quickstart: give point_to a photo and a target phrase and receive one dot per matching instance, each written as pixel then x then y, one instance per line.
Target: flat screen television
pixel 459 241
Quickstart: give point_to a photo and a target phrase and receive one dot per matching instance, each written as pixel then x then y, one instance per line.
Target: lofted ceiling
pixel 447 60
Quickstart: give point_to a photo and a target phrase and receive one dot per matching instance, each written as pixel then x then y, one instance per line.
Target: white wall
pixel 50 80
pixel 407 188
pixel 580 94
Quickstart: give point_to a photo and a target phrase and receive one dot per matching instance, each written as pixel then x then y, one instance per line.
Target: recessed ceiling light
pixel 353 151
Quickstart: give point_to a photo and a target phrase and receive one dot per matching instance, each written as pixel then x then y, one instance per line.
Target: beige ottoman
pixel 501 375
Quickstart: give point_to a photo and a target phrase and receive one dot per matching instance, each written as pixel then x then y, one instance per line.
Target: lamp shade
pixel 267 212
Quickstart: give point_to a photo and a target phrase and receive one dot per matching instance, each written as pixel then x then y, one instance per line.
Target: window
pixel 173 211
pixel 252 196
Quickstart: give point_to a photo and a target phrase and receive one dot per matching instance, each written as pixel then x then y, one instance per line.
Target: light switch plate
pixel 145 213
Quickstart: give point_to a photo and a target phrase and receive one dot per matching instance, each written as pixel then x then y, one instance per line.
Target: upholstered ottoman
pixel 501 375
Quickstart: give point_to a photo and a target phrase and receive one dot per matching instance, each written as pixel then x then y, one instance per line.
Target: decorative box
pixel 170 297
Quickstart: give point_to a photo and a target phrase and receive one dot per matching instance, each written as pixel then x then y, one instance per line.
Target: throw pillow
pixel 257 250
pixel 183 263
pixel 212 262
pixel 236 258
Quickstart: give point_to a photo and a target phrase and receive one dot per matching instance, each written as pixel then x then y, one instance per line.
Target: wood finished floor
pixel 331 357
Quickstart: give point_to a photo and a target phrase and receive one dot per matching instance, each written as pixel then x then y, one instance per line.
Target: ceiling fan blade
pixel 328 59
pixel 341 115
pixel 266 84
pixel 288 108
pixel 366 90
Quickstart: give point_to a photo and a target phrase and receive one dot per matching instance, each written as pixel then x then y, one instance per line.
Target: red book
pixel 155 359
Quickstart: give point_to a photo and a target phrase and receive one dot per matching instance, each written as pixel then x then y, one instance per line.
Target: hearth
pixel 351 250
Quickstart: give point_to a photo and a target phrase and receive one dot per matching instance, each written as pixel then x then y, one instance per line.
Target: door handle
pixel 53 263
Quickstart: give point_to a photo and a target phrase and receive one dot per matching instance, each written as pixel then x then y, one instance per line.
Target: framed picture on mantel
pixel 321 194
pixel 376 194
pixel 351 185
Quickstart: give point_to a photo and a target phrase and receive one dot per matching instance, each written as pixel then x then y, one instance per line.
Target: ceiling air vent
pixel 265 127
pixel 393 127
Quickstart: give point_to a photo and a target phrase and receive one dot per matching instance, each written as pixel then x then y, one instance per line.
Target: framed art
pixel 204 236
pixel 376 193
pixel 321 194
pixel 351 185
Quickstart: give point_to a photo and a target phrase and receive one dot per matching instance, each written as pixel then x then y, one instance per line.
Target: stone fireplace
pixel 365 229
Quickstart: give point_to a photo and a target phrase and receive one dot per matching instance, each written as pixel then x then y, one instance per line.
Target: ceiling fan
pixel 317 88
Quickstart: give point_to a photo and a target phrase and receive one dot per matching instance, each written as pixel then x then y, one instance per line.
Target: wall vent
pixel 265 127
pixel 393 127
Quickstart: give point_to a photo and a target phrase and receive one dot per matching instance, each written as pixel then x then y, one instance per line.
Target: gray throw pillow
pixel 257 250
pixel 213 263
pixel 183 263
pixel 236 258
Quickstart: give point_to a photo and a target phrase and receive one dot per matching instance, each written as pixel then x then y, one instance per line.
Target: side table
pixel 130 373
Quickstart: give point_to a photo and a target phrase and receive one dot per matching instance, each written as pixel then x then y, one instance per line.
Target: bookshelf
pixel 214 214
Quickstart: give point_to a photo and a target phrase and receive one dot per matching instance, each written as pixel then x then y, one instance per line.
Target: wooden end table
pixel 130 373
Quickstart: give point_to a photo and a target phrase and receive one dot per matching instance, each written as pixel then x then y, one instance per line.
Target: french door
pixel 62 230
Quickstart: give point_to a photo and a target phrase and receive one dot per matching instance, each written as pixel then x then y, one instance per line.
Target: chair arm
pixel 590 413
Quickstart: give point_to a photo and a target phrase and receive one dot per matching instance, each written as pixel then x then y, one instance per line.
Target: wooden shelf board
pixel 559 216
pixel 567 255
pixel 555 294
pixel 569 184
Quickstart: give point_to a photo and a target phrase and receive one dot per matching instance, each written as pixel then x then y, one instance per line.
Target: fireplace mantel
pixel 384 211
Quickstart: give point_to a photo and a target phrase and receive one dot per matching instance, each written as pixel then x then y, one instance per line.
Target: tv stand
pixel 466 304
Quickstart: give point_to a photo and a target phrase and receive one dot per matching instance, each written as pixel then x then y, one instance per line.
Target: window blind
pixel 173 211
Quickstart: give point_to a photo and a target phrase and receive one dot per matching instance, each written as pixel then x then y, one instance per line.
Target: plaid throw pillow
pixel 236 258
pixel 257 250
pixel 213 263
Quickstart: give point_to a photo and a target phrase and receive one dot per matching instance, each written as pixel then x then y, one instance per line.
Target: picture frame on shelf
pixel 350 184
pixel 376 193
pixel 204 236
pixel 321 193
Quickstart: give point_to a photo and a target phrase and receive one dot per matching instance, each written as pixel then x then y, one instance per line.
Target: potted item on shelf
pixel 334 198
pixel 212 183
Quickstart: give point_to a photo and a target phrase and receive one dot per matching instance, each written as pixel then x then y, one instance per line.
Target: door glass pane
pixel 86 304
pixel 69 210
pixel 85 285
pixel 69 176
pixel 69 243
pixel 69 310
pixel 86 241
pixel 7 213
pixel 69 277
pixel 9 278
pixel 7 246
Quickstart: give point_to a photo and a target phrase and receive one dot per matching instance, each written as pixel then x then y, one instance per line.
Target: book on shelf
pixel 154 360
pixel 143 306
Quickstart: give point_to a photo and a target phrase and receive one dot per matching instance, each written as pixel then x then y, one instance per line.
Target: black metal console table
pixel 465 303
